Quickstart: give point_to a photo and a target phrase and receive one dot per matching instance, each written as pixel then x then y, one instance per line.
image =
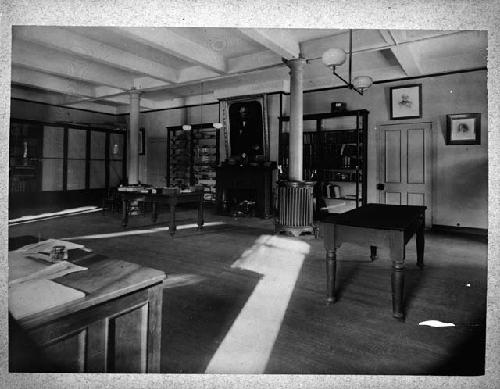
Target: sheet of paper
pixel 46 246
pixel 23 267
pixel 30 297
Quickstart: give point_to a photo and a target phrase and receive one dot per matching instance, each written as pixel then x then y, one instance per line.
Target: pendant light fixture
pixel 335 57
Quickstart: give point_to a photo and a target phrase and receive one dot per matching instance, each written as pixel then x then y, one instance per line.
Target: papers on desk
pixel 24 267
pixel 46 246
pixel 36 296
pixel 30 273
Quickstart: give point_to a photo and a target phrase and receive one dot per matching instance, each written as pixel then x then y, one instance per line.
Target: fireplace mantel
pixel 236 182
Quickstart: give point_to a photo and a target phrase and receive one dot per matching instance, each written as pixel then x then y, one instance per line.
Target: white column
pixel 133 139
pixel 296 120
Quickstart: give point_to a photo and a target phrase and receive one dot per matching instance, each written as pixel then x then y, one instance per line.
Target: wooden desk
pixel 116 327
pixel 171 199
pixel 375 225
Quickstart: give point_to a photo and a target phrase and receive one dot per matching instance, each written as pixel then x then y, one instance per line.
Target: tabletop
pixel 379 216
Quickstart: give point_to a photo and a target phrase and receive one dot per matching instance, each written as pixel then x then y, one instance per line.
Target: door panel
pixel 405 165
pixel 392 156
pixel 392 198
pixel 416 199
pixel 157 162
pixel 416 154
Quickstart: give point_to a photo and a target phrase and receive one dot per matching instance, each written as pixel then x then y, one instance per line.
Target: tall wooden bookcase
pixel 192 157
pixel 334 153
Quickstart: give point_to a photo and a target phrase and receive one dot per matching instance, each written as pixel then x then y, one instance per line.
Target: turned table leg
pixel 172 227
pixel 397 253
pixel 420 243
pixel 154 212
pixel 397 286
pixel 331 270
pixel 124 213
pixel 200 215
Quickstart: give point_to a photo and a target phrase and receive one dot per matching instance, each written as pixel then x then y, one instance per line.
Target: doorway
pixel 405 165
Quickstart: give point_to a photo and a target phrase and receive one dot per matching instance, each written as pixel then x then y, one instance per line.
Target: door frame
pixel 432 158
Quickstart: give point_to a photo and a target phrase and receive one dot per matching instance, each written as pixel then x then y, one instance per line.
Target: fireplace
pixel 236 184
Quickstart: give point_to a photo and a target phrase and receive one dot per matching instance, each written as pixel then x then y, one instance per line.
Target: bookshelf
pixel 334 155
pixel 192 158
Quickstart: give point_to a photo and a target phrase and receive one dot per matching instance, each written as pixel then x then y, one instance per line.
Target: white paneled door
pixel 405 166
pixel 157 162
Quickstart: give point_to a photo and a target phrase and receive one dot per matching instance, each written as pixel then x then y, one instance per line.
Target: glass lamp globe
pixel 362 82
pixel 186 127
pixel 333 57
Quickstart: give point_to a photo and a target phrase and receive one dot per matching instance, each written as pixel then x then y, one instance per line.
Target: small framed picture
pixel 406 102
pixel 463 129
pixel 142 141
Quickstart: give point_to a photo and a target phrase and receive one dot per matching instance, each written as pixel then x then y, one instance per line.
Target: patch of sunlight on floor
pixel 53 215
pixel 141 232
pixel 249 342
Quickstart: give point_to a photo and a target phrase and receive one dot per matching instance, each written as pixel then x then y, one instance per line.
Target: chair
pixel 111 201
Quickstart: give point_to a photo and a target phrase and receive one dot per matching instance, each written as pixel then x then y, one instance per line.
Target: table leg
pixel 331 270
pixel 172 227
pixel 397 255
pixel 154 212
pixel 200 215
pixel 420 244
pixel 124 213
pixel 373 253
pixel 397 285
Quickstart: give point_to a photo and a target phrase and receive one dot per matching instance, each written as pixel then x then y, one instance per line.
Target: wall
pixel 460 177
pixel 52 163
pixel 460 174
pixel 48 113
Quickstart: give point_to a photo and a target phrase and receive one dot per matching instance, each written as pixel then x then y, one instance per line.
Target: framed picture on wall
pixel 142 141
pixel 463 129
pixel 406 102
pixel 245 126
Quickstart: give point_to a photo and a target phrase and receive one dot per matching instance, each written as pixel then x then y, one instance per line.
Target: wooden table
pixel 171 199
pixel 375 225
pixel 116 327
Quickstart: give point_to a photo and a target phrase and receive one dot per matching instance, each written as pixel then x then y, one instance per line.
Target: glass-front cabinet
pixel 334 155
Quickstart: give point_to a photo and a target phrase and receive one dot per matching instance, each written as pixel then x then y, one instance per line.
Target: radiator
pixel 295 201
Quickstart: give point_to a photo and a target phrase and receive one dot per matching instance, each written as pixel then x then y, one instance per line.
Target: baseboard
pixel 470 231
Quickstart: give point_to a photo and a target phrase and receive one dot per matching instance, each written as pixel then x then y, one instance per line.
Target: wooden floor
pixel 204 296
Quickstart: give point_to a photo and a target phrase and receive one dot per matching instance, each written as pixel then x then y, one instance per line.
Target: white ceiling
pixel 95 67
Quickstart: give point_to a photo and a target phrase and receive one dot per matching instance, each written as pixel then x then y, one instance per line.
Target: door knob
pixel 380 186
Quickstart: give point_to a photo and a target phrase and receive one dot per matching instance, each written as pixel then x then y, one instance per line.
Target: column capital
pixel 135 92
pixel 296 63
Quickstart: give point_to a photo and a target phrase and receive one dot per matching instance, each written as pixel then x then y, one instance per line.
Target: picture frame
pixel 406 102
pixel 246 128
pixel 463 129
pixel 142 141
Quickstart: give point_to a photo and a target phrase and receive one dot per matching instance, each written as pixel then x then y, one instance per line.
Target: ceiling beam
pixel 177 45
pixel 278 41
pixel 69 42
pixel 58 99
pixel 407 60
pixel 86 92
pixel 48 82
pixel 52 62
pixel 253 61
